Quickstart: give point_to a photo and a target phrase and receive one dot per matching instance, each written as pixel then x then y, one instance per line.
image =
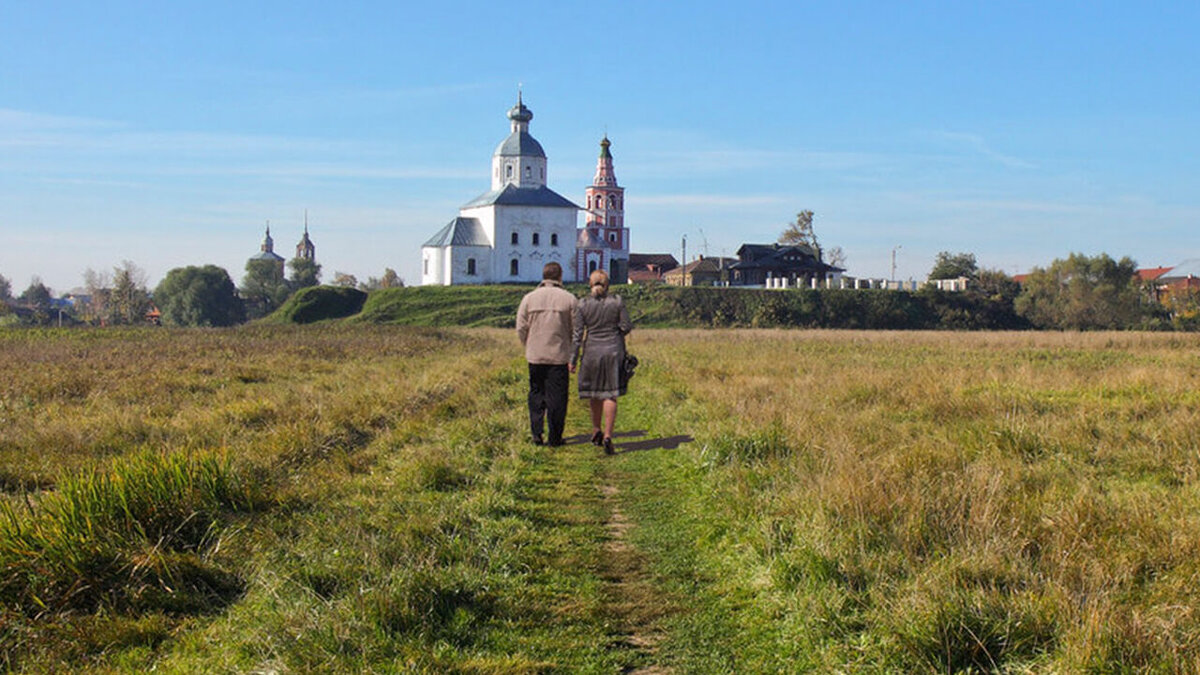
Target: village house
pixel 703 271
pixel 650 267
pixel 798 264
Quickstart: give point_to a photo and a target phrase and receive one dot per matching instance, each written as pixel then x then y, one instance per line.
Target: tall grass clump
pixel 131 537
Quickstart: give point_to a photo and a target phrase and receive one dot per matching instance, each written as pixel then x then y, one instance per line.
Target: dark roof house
pixel 759 262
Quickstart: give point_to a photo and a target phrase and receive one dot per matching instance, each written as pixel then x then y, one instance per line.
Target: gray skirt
pixel 599 372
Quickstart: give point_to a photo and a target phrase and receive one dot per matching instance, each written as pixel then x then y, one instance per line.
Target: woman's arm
pixel 623 323
pixel 576 334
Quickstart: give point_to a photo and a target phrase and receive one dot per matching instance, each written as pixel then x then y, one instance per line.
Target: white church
pixel 507 234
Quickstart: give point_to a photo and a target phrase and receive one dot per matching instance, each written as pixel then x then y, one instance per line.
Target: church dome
pixel 520 143
pixel 519 113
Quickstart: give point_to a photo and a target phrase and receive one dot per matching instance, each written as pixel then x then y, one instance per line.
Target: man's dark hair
pixel 552 270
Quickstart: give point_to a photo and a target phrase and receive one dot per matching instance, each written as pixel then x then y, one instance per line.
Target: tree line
pixel 1078 292
pixel 200 295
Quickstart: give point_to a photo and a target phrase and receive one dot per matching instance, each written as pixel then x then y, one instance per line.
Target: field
pixel 361 498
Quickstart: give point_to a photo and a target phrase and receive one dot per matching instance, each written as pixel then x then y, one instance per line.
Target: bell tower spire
pixel 306 250
pixel 603 243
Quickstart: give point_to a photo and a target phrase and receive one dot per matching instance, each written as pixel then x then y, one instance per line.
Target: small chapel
pixel 508 233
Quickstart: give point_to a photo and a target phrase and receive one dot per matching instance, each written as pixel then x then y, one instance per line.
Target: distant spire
pixel 268 245
pixel 305 249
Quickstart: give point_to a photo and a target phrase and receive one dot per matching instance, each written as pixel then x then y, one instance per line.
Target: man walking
pixel 544 323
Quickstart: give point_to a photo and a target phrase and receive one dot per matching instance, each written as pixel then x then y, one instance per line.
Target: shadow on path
pixel 663 443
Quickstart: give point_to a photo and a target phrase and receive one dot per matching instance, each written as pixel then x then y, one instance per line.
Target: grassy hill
pixel 496 306
pixel 443 306
pixel 661 306
pixel 319 303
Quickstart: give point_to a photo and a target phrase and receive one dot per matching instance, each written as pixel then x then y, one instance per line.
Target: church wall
pixel 431 265
pixel 458 262
pixel 526 221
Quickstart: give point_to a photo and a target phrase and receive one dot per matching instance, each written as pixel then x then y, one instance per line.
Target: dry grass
pixel 965 500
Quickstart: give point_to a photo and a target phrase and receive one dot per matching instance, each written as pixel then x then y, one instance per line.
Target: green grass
pixel 361 498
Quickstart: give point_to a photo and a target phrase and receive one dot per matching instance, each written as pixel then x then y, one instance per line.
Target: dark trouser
pixel 548 385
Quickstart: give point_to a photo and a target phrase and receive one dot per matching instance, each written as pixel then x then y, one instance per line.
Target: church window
pixel 528 171
pixel 612 236
pixel 471 266
pixel 554 239
pixel 591 266
pixel 508 171
pixel 514 267
pixel 612 203
pixel 427 266
pixel 515 239
pixel 536 238
pixel 543 172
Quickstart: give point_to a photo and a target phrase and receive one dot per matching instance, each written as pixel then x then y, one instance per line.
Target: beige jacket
pixel 544 323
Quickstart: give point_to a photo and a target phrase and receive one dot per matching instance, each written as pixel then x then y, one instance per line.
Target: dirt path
pixel 632 602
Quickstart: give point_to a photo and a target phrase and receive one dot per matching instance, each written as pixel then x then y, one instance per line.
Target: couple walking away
pixel 563 335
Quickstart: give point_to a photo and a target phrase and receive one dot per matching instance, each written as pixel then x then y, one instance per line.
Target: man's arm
pixel 522 321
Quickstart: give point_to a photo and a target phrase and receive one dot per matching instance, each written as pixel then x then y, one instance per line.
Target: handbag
pixel 629 366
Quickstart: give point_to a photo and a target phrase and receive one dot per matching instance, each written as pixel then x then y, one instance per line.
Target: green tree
pixel 37 298
pixel 949 265
pixel 1183 309
pixel 305 273
pixel 1082 293
pixel 264 288
pixel 129 300
pixel 5 289
pixel 199 296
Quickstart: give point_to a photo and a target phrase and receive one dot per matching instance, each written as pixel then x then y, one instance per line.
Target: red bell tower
pixel 603 243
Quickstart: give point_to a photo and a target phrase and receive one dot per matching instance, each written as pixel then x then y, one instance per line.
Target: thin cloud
pixel 979 145
pixel 335 171
pixel 1020 205
pixel 708 200
pixel 12 121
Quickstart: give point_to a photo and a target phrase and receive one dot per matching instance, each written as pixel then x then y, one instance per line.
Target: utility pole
pixel 685 283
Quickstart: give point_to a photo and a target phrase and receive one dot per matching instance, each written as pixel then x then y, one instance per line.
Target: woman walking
pixel 601 323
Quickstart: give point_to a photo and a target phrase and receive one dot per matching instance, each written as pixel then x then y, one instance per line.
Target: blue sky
pixel 167 134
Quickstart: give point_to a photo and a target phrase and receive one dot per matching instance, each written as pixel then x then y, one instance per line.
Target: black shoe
pixel 537 440
pixel 598 439
pixel 555 444
pixel 608 447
